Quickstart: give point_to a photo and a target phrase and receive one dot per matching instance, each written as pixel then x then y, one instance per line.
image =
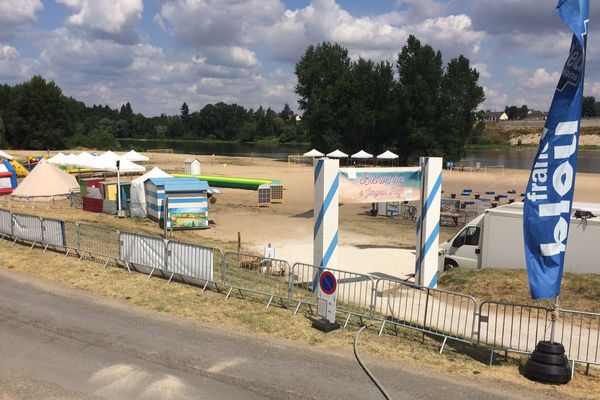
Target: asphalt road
pixel 61 344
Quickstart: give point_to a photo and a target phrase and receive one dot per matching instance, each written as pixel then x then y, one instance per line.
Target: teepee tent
pixel 45 182
pixel 134 156
pixel 137 205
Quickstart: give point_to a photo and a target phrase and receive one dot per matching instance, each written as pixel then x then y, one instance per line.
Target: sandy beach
pixel 367 244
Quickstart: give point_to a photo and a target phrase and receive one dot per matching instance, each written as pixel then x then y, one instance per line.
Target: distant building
pixel 536 116
pixel 495 116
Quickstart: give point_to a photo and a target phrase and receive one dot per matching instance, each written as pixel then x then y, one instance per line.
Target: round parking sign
pixel 327 282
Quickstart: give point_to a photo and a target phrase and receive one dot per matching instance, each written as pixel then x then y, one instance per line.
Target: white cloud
pixel 15 68
pixel 14 13
pixel 495 98
pixel 483 70
pixel 539 79
pixel 114 19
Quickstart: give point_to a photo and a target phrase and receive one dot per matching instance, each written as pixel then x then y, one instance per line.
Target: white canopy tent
pixel 109 164
pixel 85 160
pixel 57 159
pixel 137 205
pixel 387 156
pixel 109 156
pixel 134 156
pixel 71 160
pixel 361 155
pixel 337 154
pixel 5 155
pixel 313 153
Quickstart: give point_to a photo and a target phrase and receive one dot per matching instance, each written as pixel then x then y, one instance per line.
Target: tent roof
pixel 153 173
pixel 181 184
pixel 125 166
pixel 85 160
pixel 361 154
pixel 337 154
pixel 313 153
pixel 71 159
pixel 57 159
pixel 387 155
pixel 46 181
pixel 134 156
pixel 5 155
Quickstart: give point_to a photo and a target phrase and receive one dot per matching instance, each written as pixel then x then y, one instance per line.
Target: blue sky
pixel 157 54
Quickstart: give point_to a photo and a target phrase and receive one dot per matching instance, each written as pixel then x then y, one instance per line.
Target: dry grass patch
pixel 579 291
pixel 249 316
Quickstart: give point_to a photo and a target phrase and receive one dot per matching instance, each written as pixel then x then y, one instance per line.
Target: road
pixel 61 344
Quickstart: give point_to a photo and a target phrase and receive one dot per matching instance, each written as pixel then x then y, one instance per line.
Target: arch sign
pixel 372 185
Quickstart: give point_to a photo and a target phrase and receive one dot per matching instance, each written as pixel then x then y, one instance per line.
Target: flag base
pixel 324 325
pixel 548 364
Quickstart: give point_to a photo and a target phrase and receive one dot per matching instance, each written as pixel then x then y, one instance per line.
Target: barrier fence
pixel 449 315
pixel 433 311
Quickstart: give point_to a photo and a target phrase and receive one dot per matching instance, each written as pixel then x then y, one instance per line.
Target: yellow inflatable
pixel 19 169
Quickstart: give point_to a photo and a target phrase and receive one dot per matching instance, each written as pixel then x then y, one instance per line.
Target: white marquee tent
pixel 387 155
pixel 134 156
pixel 313 153
pixel 57 159
pixel 337 154
pixel 137 205
pixel 361 155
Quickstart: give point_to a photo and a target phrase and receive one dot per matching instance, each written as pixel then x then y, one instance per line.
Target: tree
pixel 285 113
pixel 588 106
pixel 512 112
pixel 320 72
pixel 2 132
pixel 38 115
pixel 460 97
pixel 420 74
pixel 523 111
pixel 185 112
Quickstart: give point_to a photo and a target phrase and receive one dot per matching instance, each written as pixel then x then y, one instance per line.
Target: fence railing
pixel 434 311
pixel 450 315
pixel 518 328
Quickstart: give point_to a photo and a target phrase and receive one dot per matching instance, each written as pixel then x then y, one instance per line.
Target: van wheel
pixel 449 264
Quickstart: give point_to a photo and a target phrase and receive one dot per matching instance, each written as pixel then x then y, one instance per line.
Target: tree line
pixel 422 108
pixel 35 114
pixel 426 109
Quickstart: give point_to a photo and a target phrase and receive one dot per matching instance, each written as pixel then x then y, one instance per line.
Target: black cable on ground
pixel 364 367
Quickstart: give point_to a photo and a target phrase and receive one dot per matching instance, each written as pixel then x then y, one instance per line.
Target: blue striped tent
pixel 187 195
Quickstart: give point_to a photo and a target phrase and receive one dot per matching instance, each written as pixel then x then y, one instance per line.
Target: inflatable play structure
pixel 229 182
pixel 8 178
pixel 19 169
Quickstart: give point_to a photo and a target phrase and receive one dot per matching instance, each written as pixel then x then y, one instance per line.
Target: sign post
pixel 326 303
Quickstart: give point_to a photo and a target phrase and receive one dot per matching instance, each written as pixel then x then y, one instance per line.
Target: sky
pixel 157 54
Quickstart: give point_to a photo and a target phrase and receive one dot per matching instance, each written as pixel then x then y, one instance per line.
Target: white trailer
pixel 495 240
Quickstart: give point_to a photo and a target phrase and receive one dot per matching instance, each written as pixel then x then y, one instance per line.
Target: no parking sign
pixel 327 296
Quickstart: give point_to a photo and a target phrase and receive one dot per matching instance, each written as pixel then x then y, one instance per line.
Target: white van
pixel 495 240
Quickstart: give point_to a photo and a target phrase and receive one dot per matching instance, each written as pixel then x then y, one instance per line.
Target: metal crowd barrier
pixel 53 233
pixel 355 292
pixel 5 224
pixel 143 251
pixel 27 227
pixel 98 241
pixel 254 274
pixel 433 311
pixel 518 328
pixel 194 261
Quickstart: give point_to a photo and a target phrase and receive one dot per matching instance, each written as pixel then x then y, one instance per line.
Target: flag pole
pixel 554 316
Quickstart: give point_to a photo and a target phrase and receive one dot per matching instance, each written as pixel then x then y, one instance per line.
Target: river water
pixel 588 160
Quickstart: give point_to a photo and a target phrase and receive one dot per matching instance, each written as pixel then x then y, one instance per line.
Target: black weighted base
pixel 548 364
pixel 324 325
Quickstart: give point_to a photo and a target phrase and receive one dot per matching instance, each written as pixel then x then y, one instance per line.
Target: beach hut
pixel 134 156
pixel 46 182
pixel 388 157
pixel 137 203
pixel 192 166
pixel 187 202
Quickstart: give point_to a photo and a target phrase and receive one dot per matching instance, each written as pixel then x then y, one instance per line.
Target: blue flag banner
pixel 549 195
